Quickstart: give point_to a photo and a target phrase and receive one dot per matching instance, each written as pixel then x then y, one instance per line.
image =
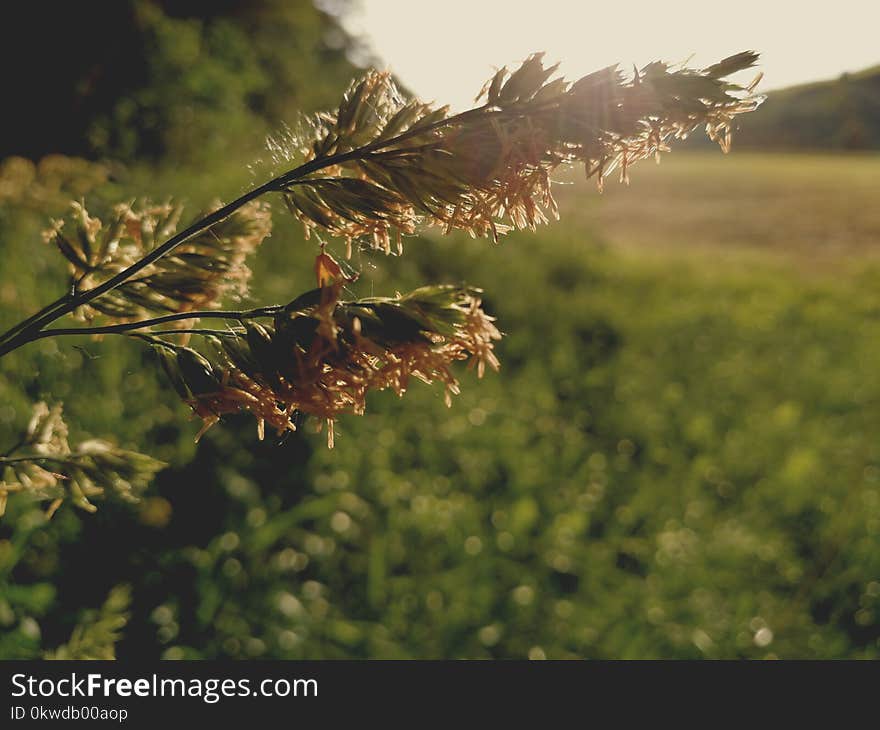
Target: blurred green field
pixel 679 458
pixel 817 208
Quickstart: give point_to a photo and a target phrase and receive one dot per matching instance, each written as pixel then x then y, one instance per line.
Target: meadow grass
pixel 812 207
pixel 679 457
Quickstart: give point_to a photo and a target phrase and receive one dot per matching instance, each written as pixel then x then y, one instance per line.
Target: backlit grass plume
pixel 208 268
pixel 488 169
pixel 321 356
pixel 369 172
pixel 96 634
pixel 43 466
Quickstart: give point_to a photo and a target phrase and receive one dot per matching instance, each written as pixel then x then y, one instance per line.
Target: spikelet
pixel 488 170
pixel 197 275
pixel 321 356
pixel 45 468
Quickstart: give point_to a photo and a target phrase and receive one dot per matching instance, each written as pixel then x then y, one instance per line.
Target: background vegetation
pixel 679 457
pixel 842 114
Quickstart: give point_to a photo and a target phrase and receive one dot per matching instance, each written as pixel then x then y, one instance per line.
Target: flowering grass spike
pixel 321 356
pixel 370 172
pixel 488 170
pixel 45 467
pixel 199 275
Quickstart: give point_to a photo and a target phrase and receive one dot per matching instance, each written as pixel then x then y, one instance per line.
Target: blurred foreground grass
pixel 678 459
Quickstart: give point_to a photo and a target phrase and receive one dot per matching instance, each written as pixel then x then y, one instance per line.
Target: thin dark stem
pixel 216 333
pixel 149 339
pixel 13 449
pixel 32 328
pixel 27 322
pixel 32 332
pixel 36 457
pixel 126 327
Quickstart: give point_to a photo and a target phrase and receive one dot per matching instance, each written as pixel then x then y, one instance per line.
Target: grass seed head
pixel 200 273
pixel 44 467
pixel 488 170
pixel 321 358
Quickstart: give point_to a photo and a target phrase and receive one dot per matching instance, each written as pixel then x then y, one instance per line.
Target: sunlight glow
pixel 445 50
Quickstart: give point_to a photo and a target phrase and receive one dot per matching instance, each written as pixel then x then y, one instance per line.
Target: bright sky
pixel 445 49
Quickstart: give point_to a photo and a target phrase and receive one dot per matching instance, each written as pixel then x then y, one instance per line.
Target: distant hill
pixel 841 114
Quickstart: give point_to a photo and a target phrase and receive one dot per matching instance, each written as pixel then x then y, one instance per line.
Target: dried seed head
pixel 199 273
pixel 488 170
pixel 46 468
pixel 321 356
